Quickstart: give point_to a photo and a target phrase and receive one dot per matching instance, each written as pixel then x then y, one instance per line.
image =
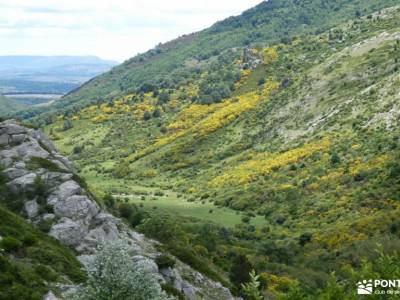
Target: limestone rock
pixel 8 156
pixel 68 232
pixel 76 207
pixel 23 183
pixel 30 149
pixel 13 173
pixel 17 139
pixel 56 178
pixel 4 139
pixel 44 141
pixel 12 127
pixel 32 209
pixel 65 190
pixel 50 296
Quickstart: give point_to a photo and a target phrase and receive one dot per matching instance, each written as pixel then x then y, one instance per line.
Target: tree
pixel 122 169
pixel 305 238
pixel 335 159
pixel 156 113
pixel 240 271
pixel 112 275
pixel 164 97
pixel 252 288
pixel 109 200
pixel 67 125
pixel 147 116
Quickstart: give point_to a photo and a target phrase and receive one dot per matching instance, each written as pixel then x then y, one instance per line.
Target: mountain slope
pixel 40 185
pixel 291 150
pixel 269 22
pixel 8 106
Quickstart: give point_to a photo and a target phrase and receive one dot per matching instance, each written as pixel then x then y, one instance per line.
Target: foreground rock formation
pixel 73 217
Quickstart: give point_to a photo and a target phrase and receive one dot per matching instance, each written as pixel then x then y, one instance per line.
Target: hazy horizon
pixel 112 30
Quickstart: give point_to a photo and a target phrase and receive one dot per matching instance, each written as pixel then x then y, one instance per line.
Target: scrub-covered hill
pixel 167 65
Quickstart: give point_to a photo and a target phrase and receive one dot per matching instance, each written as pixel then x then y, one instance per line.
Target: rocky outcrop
pixel 76 220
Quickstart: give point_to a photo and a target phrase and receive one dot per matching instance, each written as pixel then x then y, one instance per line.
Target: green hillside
pixel 8 106
pixel 280 153
pixel 167 65
pixel 30 261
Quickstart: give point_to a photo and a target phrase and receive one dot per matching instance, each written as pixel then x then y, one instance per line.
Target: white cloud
pixel 114 29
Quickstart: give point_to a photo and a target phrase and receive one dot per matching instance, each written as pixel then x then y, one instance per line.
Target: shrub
pixel 45 225
pixel 147 116
pixel 335 159
pixel 170 290
pixel 67 125
pixel 109 201
pixel 10 244
pixel 39 186
pixel 240 270
pixel 126 210
pixel 164 97
pixel 43 163
pixel 305 238
pixel 113 275
pixel 165 261
pixel 245 219
pixel 77 149
pixel 252 288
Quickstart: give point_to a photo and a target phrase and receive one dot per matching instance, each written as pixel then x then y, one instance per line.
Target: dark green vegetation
pixel 30 261
pixel 281 154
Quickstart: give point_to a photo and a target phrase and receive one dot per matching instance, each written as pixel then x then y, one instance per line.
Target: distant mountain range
pixel 48 74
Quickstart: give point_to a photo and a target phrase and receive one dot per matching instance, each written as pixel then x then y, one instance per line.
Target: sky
pixel 110 29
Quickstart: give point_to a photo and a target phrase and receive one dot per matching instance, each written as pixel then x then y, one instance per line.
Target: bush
pixel 165 261
pixel 112 274
pixel 77 149
pixel 147 116
pixel 171 291
pixel 45 225
pixel 67 125
pixel 245 219
pixel 109 201
pixel 126 210
pixel 305 238
pixel 10 244
pixel 164 97
pixel 43 163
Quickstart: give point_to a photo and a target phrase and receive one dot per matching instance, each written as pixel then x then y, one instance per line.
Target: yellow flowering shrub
pixel 244 75
pixel 140 109
pixel 264 163
pixel 192 114
pixel 100 118
pixel 205 119
pixel 378 162
pixel 269 55
pixel 106 109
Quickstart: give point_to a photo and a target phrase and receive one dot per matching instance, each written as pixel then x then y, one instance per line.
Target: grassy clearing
pixel 204 211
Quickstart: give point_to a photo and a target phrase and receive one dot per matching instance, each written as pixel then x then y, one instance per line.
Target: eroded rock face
pixel 77 220
pixel 69 232
pixel 76 207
